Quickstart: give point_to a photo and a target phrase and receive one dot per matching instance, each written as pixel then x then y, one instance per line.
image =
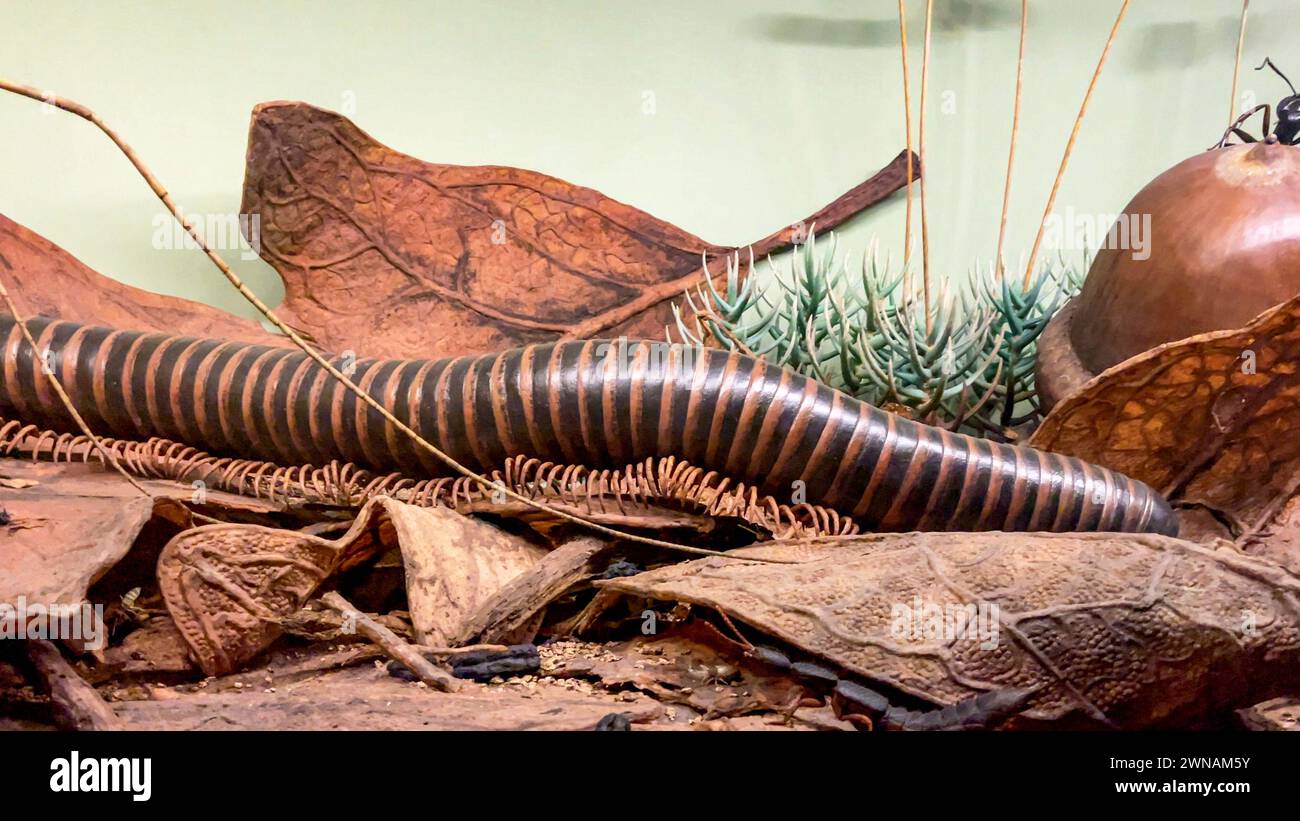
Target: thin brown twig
pixel 907 120
pixel 406 654
pixel 297 339
pixel 57 387
pixel 1015 128
pixel 461 651
pixel 1236 68
pixel 1069 146
pixel 105 454
pixel 925 224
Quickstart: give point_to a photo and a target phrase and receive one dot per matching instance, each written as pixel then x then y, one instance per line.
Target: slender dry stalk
pixel 405 654
pixel 1015 128
pixel 104 453
pixel 907 120
pixel 1069 147
pixel 925 223
pixel 297 339
pixel 1236 68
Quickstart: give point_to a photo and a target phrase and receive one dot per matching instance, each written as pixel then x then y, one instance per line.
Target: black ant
pixel 1288 117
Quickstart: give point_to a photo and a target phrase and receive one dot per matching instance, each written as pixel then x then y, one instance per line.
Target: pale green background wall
pixel 765 110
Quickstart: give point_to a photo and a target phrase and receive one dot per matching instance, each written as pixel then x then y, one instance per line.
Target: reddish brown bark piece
pixel 79 706
pixel 46 280
pixel 526 595
pixel 392 256
pixel 67 526
pixel 1212 421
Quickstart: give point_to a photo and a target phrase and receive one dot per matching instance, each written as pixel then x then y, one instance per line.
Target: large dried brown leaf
pixel 44 279
pixel 392 256
pixel 1129 630
pixel 94 480
pixel 1211 421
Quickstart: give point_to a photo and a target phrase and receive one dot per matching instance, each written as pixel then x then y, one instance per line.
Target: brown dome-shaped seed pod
pixel 1224 246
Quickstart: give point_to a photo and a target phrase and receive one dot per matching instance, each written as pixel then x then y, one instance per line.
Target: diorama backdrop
pixel 727 118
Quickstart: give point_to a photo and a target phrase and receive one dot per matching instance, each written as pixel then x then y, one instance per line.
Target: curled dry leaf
pixel 392 256
pixel 231 588
pixel 454 564
pixel 515 604
pixel 46 280
pixel 1212 421
pixel 1105 629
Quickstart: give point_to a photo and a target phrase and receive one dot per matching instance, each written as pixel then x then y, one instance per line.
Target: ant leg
pixel 1235 128
pixel 1244 136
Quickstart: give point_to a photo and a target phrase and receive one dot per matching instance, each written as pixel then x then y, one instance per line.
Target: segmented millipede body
pixel 603 403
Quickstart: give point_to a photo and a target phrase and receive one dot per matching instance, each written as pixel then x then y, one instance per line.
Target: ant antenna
pixel 1276 70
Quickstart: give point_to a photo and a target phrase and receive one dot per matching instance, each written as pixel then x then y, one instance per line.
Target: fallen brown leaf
pixel 1112 630
pixel 233 588
pixel 44 279
pixel 1279 714
pixel 683 668
pixel 391 256
pixel 454 564
pixel 152 649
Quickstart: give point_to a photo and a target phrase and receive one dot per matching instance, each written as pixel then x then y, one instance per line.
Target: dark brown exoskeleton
pixel 1288 117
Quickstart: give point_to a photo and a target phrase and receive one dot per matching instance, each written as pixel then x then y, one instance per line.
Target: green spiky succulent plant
pixel 965 361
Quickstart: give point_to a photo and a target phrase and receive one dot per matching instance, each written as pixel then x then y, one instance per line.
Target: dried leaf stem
pixel 104 454
pixel 1015 128
pixel 1236 68
pixel 393 645
pixel 925 224
pixel 907 121
pixel 1069 146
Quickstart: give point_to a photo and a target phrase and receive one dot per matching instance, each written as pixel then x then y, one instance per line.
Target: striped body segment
pixel 603 403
